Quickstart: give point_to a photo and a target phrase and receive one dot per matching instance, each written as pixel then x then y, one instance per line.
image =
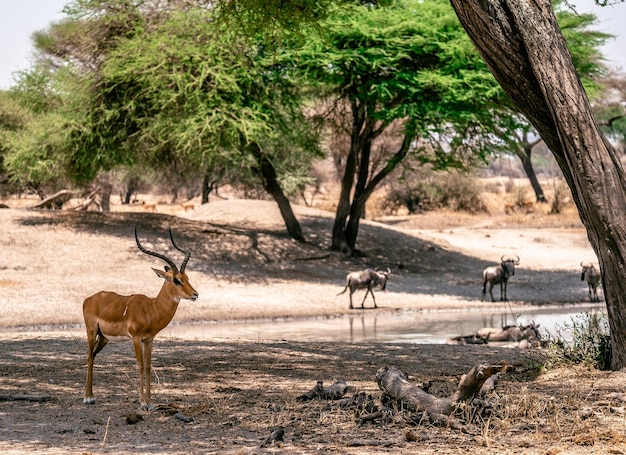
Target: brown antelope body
pixel 113 317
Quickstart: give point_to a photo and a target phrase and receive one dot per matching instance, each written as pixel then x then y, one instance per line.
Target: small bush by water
pixel 591 341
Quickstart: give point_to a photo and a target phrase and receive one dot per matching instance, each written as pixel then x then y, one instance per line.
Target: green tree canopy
pixel 409 62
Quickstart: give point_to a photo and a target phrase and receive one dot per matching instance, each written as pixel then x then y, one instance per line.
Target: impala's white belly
pixel 118 337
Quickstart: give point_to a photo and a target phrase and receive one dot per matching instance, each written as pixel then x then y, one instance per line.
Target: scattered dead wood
pixel 275 438
pixel 370 442
pixel 334 392
pixel 55 201
pixel 30 398
pixel 183 418
pixel 397 389
pixel 395 385
pixel 92 198
pixel 314 258
pixel 133 418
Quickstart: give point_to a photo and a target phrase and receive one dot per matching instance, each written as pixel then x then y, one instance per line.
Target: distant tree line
pixel 170 93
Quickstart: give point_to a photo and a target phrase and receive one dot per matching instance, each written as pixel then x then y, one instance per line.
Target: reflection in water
pixel 363 334
pixel 409 327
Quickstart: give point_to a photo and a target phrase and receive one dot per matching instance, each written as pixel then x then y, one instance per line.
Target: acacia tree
pixel 523 46
pixel 410 63
pixel 31 132
pixel 161 84
pixel 190 98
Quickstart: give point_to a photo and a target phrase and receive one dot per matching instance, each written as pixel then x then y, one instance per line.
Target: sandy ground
pixel 238 390
pixel 244 267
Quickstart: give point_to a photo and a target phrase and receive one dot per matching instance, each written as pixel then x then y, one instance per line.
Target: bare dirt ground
pixel 237 391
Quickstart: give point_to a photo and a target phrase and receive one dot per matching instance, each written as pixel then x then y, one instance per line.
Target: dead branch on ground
pixel 55 201
pixel 396 386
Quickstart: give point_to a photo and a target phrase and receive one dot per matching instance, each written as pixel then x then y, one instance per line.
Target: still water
pixel 408 327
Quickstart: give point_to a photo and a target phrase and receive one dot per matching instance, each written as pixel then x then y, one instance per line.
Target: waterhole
pixel 407 327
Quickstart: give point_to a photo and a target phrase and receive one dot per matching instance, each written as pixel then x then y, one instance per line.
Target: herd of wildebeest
pixel 112 317
pixel 369 280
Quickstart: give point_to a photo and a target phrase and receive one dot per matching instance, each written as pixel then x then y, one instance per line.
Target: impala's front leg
pixel 138 345
pixel 147 368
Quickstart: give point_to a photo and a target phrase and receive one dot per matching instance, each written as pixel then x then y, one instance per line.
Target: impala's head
pixel 176 280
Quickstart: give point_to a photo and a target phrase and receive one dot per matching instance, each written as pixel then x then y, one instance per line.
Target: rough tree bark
pixel 525 155
pixel 349 213
pixel 523 46
pixel 270 183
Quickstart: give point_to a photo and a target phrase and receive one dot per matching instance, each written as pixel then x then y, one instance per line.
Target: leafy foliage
pixel 407 70
pixel 591 342
pixel 161 84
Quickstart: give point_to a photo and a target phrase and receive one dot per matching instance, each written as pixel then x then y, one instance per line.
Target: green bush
pixel 591 341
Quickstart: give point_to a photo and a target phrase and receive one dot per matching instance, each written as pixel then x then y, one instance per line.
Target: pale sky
pixel 20 18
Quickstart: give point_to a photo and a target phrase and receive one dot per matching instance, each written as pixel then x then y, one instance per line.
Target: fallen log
pixel 395 385
pixel 92 198
pixel 334 392
pixel 55 201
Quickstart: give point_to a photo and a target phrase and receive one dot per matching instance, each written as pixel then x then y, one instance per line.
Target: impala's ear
pixel 161 273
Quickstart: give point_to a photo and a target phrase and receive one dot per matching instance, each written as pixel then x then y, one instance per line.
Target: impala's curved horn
pixel 187 253
pixel 152 253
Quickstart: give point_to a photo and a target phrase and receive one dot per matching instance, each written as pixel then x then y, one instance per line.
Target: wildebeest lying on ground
pixel 511 333
pixel 499 274
pixel 366 279
pixel 592 276
pixel 468 339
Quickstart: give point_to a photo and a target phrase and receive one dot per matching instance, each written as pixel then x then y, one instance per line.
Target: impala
pixel 113 317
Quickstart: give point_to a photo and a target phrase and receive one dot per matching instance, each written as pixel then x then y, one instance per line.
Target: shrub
pixel 591 341
pixel 425 191
pixel 560 196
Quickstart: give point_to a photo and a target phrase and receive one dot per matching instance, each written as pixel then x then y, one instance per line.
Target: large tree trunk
pixel 357 208
pixel 272 186
pixel 338 242
pixel 524 48
pixel 526 157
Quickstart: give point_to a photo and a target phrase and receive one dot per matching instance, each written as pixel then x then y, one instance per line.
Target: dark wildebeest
pixel 366 279
pixel 475 338
pixel 592 276
pixel 499 274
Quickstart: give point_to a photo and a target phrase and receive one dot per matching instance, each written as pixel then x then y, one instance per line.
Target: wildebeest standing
pixel 592 276
pixel 499 274
pixel 366 279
